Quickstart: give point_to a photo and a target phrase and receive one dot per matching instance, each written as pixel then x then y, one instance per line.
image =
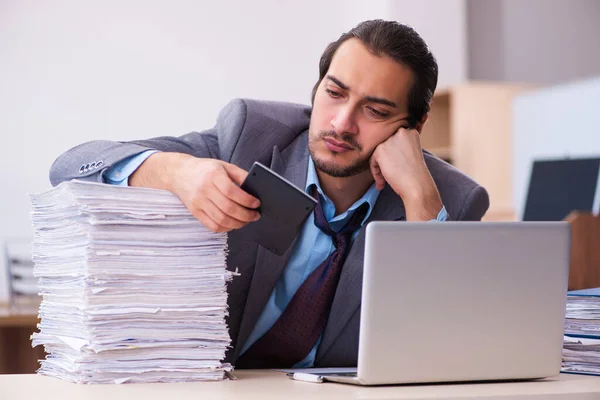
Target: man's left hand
pixel 399 162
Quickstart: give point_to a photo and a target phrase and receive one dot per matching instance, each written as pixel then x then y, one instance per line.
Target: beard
pixel 361 164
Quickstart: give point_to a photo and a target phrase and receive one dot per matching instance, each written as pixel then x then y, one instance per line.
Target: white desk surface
pixel 263 385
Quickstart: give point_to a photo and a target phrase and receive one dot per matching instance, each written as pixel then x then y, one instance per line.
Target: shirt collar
pixel 369 197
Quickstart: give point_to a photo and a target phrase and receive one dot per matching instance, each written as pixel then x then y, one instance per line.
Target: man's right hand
pixel 209 188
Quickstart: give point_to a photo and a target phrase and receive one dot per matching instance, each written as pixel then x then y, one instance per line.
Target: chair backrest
pixel 22 284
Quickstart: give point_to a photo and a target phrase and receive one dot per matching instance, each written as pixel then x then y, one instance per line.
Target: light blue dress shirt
pixel 119 173
pixel 313 246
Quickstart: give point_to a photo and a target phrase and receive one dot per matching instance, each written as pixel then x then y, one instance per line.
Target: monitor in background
pixel 557 187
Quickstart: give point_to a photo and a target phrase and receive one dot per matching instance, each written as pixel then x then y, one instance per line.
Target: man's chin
pixel 340 170
pixel 338 165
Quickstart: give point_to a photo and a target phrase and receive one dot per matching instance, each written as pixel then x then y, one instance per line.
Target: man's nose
pixel 344 122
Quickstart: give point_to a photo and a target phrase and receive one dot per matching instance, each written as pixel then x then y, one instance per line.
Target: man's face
pixel 360 103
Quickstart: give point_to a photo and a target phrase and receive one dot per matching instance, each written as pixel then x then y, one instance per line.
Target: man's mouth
pixel 336 146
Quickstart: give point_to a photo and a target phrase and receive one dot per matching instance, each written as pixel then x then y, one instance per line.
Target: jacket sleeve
pixel 475 206
pixel 90 161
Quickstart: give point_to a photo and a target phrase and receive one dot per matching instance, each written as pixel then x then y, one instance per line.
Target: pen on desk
pixel 304 377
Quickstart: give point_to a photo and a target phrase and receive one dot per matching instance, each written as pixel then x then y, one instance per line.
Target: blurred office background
pixel 525 74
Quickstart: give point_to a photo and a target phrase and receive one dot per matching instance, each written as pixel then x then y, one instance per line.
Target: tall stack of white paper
pixel 133 286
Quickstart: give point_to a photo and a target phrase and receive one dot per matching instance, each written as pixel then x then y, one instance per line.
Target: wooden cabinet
pixel 470 127
pixel 584 271
pixel 16 354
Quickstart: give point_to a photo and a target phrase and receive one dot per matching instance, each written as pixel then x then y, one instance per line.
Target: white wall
pixel 544 42
pixel 443 25
pixel 551 41
pixel 551 123
pixel 73 71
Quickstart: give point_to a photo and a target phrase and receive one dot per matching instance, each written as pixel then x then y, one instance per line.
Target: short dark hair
pixel 401 43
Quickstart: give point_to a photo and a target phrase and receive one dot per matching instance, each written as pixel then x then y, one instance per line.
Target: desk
pixel 264 385
pixel 16 354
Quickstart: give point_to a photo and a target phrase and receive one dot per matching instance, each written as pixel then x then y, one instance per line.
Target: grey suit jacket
pixel 275 134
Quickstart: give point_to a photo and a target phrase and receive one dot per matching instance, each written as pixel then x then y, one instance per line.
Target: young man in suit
pixel 357 150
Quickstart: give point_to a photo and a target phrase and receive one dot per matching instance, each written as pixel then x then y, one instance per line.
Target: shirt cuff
pixel 442 215
pixel 119 173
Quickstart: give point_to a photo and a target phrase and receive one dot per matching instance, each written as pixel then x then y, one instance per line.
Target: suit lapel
pixel 347 299
pixel 292 165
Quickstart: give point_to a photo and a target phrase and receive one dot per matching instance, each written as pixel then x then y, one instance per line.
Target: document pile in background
pixel 133 286
pixel 581 349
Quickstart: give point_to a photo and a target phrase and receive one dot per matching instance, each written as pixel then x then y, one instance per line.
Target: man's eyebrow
pixel 381 100
pixel 337 82
pixel 371 99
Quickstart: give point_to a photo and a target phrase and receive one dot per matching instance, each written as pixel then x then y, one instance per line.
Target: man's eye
pixel 333 94
pixel 377 113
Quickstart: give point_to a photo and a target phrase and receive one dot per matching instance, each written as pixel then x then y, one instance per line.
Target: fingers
pixel 377 175
pixel 216 220
pixel 236 173
pixel 208 189
pixel 208 222
pixel 233 209
pixel 226 206
pixel 232 191
pixel 220 218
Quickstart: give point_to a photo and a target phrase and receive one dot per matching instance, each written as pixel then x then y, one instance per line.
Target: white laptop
pixel 462 301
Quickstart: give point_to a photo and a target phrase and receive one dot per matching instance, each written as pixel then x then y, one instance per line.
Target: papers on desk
pixel 581 355
pixel 581 349
pixel 133 286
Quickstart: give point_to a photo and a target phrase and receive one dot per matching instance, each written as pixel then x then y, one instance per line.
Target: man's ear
pixel 420 125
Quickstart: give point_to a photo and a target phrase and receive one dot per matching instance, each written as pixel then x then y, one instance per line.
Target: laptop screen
pixel 557 187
